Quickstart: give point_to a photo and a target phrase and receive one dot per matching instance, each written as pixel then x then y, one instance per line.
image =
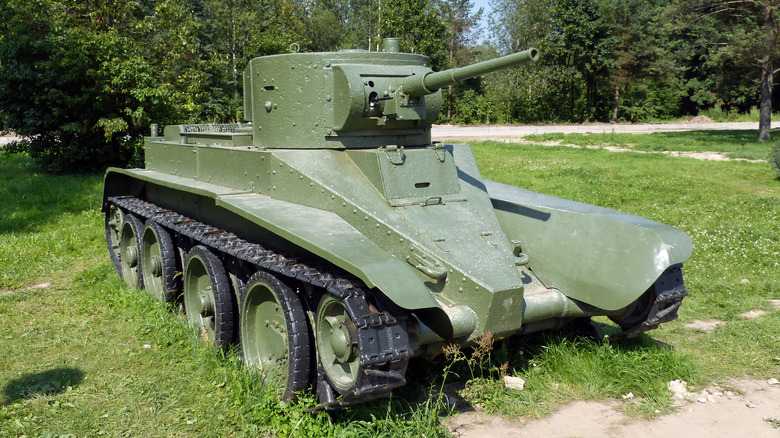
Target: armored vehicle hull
pixel 334 261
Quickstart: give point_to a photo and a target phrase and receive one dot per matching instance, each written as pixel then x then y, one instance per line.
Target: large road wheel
pixel 130 250
pixel 337 343
pixel 158 263
pixel 275 334
pixel 113 230
pixel 208 300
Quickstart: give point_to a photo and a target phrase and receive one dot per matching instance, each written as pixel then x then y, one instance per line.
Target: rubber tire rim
pixel 129 252
pixel 334 325
pixel 275 333
pixel 158 263
pixel 208 300
pixel 113 223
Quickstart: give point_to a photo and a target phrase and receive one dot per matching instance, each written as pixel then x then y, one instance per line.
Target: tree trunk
pixel 767 70
pixel 452 57
pixel 617 96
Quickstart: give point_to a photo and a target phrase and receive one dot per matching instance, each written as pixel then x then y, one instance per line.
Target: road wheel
pixel 208 300
pixel 337 343
pixel 158 263
pixel 113 231
pixel 130 250
pixel 275 334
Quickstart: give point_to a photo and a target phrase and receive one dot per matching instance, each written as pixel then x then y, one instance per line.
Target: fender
pixel 317 231
pixel 592 254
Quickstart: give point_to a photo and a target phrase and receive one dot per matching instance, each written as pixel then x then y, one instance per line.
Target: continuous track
pixel 382 338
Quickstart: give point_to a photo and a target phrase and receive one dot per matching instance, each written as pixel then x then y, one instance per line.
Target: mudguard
pixel 599 256
pixel 320 232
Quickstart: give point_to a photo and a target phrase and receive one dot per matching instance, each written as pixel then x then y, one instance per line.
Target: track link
pixel 669 292
pixel 383 341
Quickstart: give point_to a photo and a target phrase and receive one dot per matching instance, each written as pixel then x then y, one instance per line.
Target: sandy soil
pixel 741 408
pixel 747 408
pixel 451 132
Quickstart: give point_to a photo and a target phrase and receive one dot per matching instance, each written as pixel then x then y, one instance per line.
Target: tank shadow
pixel 49 382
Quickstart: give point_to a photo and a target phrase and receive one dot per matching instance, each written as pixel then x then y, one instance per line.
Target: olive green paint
pixel 338 164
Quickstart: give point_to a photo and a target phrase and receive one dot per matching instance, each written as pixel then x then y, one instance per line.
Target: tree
pixel 641 65
pixel 418 25
pixel 581 46
pixel 458 17
pixel 81 92
pixel 732 32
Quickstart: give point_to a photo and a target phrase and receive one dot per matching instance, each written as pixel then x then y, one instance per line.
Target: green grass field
pixel 82 355
pixel 734 144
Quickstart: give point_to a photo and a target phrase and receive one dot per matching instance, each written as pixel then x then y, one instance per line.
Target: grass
pixel 733 144
pixel 86 356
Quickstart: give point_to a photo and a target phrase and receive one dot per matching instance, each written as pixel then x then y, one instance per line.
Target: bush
pixel 82 96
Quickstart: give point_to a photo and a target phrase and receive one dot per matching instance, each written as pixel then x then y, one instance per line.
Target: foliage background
pixel 84 80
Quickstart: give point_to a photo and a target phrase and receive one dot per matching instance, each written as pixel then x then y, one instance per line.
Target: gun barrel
pixel 429 83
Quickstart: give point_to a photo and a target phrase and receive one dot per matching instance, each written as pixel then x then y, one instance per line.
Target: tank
pixel 774 158
pixel 332 241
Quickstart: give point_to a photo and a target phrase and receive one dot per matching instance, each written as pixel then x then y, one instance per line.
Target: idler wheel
pixel 129 251
pixel 113 230
pixel 208 300
pixel 337 343
pixel 158 263
pixel 275 333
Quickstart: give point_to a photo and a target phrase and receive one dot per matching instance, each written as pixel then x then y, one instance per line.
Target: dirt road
pixel 484 132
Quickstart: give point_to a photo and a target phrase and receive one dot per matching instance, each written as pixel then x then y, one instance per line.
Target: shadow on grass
pixel 49 382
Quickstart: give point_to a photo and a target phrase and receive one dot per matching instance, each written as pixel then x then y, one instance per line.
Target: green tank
pixel 333 241
pixel 774 158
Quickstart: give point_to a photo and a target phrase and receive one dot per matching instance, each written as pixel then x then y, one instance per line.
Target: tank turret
pixel 333 241
pixel 352 98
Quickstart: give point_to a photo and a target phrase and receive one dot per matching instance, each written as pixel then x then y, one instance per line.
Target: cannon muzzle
pixel 426 84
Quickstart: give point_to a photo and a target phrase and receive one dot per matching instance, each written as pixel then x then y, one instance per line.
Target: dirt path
pixel 495 132
pixel 750 409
